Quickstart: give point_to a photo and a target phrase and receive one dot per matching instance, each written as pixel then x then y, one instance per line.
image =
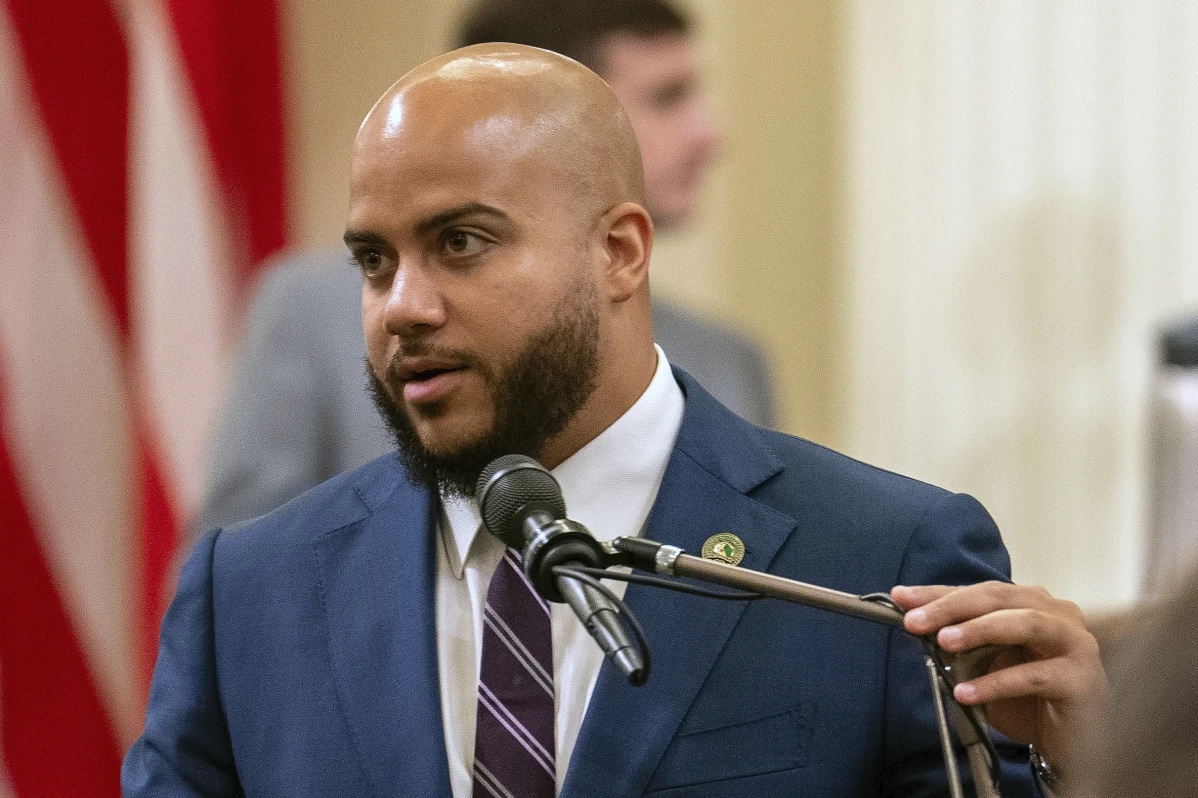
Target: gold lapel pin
pixel 724 547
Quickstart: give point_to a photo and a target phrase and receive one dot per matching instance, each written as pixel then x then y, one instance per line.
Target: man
pixel 351 642
pixel 298 413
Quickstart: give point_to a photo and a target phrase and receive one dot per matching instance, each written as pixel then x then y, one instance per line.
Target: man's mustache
pixel 462 358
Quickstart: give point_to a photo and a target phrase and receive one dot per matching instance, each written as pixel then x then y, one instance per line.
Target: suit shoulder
pixel 786 471
pixel 820 471
pixel 329 506
pixel 877 528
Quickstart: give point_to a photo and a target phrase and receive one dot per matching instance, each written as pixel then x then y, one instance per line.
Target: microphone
pixel 522 505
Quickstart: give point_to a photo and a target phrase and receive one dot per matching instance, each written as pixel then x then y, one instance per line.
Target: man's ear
pixel 628 242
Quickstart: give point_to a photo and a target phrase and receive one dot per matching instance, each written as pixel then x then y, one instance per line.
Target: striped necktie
pixel 513 745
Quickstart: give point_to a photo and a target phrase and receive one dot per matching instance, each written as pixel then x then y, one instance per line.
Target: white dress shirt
pixel 609 486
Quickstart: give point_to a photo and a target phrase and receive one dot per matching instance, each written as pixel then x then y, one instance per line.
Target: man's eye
pixel 461 242
pixel 670 95
pixel 370 261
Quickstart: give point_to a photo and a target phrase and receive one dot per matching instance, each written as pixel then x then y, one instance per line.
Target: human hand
pixel 1047 683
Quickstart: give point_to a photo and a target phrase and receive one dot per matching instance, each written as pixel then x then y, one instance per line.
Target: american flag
pixel 141 182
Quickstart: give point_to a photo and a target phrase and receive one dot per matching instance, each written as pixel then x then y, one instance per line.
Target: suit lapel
pixel 717 459
pixel 377 579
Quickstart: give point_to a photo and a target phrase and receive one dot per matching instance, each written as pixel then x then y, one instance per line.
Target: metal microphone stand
pixel 945 669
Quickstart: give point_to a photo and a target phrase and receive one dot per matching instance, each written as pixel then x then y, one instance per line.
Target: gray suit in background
pixel 298 411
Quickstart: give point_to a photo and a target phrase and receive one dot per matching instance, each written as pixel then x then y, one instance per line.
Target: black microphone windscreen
pixel 510 488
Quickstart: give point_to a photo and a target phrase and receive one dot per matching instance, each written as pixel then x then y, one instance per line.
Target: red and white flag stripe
pixel 141 178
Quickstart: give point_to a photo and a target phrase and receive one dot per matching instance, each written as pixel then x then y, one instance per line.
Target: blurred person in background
pixel 1172 545
pixel 298 411
pixel 1149 742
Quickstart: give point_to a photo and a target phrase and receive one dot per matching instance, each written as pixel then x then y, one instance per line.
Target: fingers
pixel 933 607
pixel 1055 679
pixel 1045 634
pixel 1015 618
pixel 1047 677
pixel 909 597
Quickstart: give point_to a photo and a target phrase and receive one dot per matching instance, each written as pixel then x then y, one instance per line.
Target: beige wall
pixel 762 255
pixel 784 217
pixel 1023 185
pixel 340 56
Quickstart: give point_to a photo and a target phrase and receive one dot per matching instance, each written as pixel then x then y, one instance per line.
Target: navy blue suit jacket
pixel 299 655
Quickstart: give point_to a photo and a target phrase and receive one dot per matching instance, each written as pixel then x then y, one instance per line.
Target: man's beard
pixel 533 399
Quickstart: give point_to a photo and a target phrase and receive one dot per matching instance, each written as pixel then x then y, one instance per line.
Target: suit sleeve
pixel 185 749
pixel 956 543
pixel 266 450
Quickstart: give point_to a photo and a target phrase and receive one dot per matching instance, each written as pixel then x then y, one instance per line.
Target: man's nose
pixel 414 301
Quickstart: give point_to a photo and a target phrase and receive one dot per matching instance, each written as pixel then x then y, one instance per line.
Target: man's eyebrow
pixel 367 238
pixel 364 237
pixel 461 211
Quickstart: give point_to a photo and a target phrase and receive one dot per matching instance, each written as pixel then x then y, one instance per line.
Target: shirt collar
pixel 609 484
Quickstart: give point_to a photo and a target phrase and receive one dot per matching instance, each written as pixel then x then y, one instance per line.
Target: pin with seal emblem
pixel 724 547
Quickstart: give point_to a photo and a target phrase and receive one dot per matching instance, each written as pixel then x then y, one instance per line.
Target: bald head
pixel 526 104
pixel 496 213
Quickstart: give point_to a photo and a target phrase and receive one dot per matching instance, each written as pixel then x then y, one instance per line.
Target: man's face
pixel 657 81
pixel 479 301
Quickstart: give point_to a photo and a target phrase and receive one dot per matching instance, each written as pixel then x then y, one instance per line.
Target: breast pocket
pixel 751 748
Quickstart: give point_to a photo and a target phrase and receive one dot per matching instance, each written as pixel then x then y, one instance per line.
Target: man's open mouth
pixel 428 374
pixel 422 369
